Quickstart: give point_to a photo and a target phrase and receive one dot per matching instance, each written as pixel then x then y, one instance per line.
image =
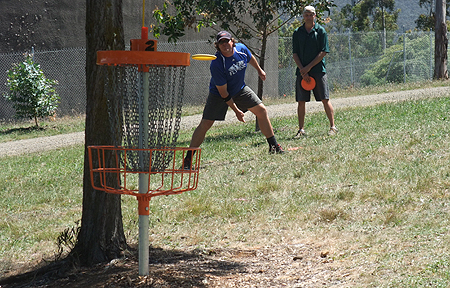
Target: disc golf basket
pixel 144 98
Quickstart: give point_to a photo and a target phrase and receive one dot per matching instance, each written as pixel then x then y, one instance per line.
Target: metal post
pixel 431 55
pixel 143 177
pixel 404 57
pixel 350 57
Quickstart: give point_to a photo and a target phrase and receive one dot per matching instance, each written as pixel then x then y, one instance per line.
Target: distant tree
pixel 385 21
pixel 341 20
pixel 426 22
pixel 370 15
pixel 33 95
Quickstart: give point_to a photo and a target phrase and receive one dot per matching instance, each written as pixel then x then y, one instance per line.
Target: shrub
pixel 390 66
pixel 34 95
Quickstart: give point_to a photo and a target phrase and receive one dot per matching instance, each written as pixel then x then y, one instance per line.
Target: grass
pixel 376 195
pixel 48 127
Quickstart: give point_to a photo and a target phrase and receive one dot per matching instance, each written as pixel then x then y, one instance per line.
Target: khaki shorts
pixel 216 109
pixel 320 91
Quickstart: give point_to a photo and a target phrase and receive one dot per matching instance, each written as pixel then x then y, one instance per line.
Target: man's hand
pixel 254 63
pixel 304 72
pixel 240 115
pixel 262 74
pixel 306 77
pixel 224 94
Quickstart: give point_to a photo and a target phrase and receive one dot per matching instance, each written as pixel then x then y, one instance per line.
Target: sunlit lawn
pixel 377 194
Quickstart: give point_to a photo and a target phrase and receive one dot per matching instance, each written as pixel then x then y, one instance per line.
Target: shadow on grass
pixel 22 130
pixel 219 136
pixel 167 268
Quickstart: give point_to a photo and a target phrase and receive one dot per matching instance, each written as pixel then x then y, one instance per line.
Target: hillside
pixel 410 10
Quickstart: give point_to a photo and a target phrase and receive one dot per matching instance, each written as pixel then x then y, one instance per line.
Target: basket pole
pixel 143 179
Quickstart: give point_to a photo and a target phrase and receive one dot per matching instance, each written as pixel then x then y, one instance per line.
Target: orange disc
pixel 309 85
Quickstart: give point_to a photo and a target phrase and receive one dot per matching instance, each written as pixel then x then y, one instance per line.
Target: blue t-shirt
pixel 230 70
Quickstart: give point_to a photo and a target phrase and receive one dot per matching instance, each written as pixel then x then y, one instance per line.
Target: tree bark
pixel 101 236
pixel 441 42
pixel 262 64
pixel 262 58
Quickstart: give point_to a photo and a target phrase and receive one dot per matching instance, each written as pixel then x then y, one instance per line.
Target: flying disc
pixel 309 86
pixel 205 57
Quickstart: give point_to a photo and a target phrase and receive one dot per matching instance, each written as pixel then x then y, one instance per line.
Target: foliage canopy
pixel 243 18
pixel 426 22
pixel 389 68
pixel 368 15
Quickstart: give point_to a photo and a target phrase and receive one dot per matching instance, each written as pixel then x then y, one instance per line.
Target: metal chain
pixel 125 106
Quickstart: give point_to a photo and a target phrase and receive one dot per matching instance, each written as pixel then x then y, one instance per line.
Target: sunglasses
pixel 224 41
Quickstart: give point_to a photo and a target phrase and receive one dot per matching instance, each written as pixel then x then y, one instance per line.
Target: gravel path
pixel 59 141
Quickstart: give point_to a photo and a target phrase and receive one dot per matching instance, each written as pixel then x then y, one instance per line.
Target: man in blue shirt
pixel 310 46
pixel 227 88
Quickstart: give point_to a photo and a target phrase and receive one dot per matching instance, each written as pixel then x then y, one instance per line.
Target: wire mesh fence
pixel 66 66
pixel 355 59
pixel 360 59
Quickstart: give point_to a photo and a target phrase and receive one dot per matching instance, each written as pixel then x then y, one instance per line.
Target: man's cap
pixel 310 9
pixel 223 35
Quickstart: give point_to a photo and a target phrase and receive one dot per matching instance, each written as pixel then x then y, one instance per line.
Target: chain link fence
pixel 355 59
pixel 66 66
pixel 362 59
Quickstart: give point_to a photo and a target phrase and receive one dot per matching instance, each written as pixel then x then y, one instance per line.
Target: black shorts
pixel 216 109
pixel 320 91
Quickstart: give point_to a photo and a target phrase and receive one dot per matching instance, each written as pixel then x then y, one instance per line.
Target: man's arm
pixel 255 64
pixel 297 61
pixel 300 67
pixel 224 94
pixel 313 63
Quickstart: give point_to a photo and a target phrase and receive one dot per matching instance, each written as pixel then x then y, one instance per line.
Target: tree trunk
pixel 262 58
pixel 441 42
pixel 101 236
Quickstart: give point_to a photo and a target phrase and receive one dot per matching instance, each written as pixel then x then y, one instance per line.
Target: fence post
pixel 431 55
pixel 350 56
pixel 404 57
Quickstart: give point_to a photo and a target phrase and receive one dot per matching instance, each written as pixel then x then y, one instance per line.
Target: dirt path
pixel 189 122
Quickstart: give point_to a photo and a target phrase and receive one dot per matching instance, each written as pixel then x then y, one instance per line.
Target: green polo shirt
pixel 308 45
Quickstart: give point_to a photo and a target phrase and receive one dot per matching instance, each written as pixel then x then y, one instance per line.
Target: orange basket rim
pixel 188 177
pixel 158 58
pixel 111 147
